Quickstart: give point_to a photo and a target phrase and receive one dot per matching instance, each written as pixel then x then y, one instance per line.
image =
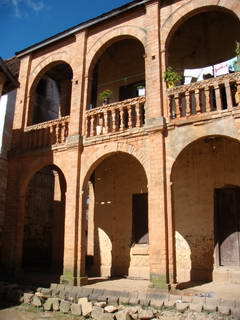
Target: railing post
pixel 228 95
pixel 207 99
pixel 188 108
pixel 138 115
pixel 129 110
pixel 105 116
pixel 92 129
pixel 113 120
pixel 198 101
pixel 218 97
pixel 122 127
pixel 178 106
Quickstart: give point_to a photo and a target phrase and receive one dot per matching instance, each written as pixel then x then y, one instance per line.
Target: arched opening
pixel 117 218
pixel 206 202
pixel 119 71
pixel 51 94
pixel 43 242
pixel 194 42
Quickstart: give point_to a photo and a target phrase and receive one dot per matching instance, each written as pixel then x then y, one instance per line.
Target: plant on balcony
pixel 236 64
pixel 172 77
pixel 105 96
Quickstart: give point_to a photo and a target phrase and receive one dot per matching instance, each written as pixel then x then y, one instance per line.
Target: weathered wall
pixel 203 166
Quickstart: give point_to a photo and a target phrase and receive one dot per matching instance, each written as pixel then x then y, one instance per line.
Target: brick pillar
pixel 154 114
pixel 78 84
pixel 74 237
pixel 158 237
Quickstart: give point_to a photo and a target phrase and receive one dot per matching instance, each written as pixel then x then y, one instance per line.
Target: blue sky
pixel 25 22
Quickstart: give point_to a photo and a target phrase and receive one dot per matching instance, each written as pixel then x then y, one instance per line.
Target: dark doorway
pixel 227 223
pixel 140 218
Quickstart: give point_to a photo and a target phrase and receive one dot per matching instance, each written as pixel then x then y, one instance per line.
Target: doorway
pixel 227 226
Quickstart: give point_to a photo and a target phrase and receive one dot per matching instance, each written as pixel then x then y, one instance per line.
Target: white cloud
pixel 20 6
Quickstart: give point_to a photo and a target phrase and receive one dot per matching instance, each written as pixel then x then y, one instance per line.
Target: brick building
pixel 146 185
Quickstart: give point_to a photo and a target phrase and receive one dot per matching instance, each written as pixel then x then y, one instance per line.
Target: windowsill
pixel 140 249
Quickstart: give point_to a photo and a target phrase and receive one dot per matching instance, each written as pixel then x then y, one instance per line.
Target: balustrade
pixel 115 117
pixel 46 134
pixel 214 94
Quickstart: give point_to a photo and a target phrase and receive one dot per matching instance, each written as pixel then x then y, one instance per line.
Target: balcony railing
pixel 115 117
pixel 46 134
pixel 215 94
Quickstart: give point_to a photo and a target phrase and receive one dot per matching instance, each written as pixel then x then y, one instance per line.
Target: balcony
pixel 203 99
pixel 46 134
pixel 115 117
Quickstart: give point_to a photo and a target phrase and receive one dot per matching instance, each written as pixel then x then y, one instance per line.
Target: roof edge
pixel 81 26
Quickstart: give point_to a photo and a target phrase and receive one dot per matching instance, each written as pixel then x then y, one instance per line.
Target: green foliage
pixel 105 94
pixel 172 77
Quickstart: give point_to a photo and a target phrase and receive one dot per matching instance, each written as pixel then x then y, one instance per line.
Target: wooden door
pixel 227 223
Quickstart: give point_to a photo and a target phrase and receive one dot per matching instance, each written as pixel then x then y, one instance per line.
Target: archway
pixel 194 40
pixel 202 169
pixel 116 205
pixel 50 95
pixel 118 67
pixel 43 242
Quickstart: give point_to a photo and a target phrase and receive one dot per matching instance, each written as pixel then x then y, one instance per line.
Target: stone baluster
pixel 106 125
pixel 218 97
pixel 113 120
pixel 198 101
pixel 129 109
pixel 122 125
pixel 53 134
pixel 138 116
pixel 178 106
pixel 207 99
pixel 188 106
pixel 63 131
pixel 228 95
pixel 92 129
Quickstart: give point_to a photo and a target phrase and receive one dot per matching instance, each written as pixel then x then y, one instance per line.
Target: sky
pixel 26 22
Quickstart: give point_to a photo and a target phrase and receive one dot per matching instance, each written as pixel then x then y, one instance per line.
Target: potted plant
pixel 141 90
pixel 105 95
pixel 236 64
pixel 171 77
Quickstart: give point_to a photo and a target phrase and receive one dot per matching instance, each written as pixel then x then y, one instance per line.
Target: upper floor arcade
pixel 106 78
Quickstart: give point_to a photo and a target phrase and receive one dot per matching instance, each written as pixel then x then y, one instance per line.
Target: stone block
pixel 182 306
pixel 56 304
pixel 82 300
pixel 84 292
pixel 224 310
pixel 198 300
pixel 94 296
pixel 124 300
pixel 156 303
pixel 100 304
pixel 106 316
pixel 197 307
pixel 113 300
pixel 37 301
pixel 146 314
pixel 133 299
pixel 27 298
pixel 227 303
pixel 96 313
pixel 46 293
pixel 87 308
pixel 169 303
pixel 65 306
pixel 235 312
pixel 110 309
pixel 48 305
pixel 76 309
pixel 122 315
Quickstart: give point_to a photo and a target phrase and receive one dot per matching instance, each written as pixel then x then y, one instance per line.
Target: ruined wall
pixel 116 179
pixel 205 165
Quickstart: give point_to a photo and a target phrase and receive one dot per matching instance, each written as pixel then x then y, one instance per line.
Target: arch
pixel 111 148
pixel 189 9
pixel 110 37
pixel 52 59
pixel 44 214
pixel 204 166
pixel 50 91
